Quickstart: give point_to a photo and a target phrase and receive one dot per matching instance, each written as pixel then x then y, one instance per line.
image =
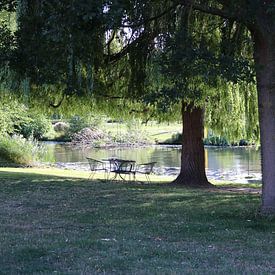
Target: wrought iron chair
pixel 145 169
pixel 97 165
pixel 122 168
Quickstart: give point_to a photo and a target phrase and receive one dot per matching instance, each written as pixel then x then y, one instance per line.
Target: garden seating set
pixel 120 168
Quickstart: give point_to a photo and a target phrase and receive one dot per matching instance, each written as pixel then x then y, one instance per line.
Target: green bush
pixel 12 115
pixel 19 150
pixel 77 123
pixel 216 141
pixel 37 126
pixel 175 139
pixel 131 138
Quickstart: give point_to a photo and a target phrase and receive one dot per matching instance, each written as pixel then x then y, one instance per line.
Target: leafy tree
pixel 258 17
pixel 192 63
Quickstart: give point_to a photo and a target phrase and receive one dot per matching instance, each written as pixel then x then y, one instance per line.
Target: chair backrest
pixel 147 168
pixel 94 164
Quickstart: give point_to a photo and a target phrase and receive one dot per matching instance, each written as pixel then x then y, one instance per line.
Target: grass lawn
pixel 50 223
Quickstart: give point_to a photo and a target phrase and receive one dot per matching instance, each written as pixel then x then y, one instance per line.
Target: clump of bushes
pixel 21 151
pixel 175 139
pixel 216 141
pixel 36 127
pixel 76 124
pixel 131 138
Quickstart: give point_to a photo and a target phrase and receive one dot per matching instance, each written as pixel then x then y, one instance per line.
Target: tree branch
pixel 224 13
pixel 149 19
pixel 59 103
pixel 115 57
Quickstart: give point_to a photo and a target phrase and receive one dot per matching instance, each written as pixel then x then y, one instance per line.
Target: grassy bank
pixel 69 225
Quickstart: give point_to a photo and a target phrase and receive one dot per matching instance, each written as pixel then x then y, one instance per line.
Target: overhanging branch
pixel 153 18
pixel 224 13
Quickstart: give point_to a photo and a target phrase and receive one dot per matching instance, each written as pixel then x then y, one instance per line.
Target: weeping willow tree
pixel 232 112
pixel 197 64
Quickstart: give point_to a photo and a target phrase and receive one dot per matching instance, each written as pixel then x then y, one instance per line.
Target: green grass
pixel 69 225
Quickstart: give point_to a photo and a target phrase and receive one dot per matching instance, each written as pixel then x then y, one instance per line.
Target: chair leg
pixel 147 178
pixel 92 175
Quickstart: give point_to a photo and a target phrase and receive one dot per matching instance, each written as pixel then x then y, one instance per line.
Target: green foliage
pixel 7 42
pixel 36 126
pixel 232 112
pixel 77 123
pixel 8 5
pixel 53 36
pixel 175 139
pixel 15 117
pixel 179 55
pixel 216 141
pixel 12 115
pixel 21 151
pixel 133 135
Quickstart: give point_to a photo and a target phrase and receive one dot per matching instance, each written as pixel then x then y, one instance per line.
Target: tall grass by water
pixel 17 150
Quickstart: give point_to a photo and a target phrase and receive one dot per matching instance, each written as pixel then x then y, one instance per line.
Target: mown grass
pixel 54 224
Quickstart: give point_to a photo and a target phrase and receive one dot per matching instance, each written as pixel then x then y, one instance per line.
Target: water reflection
pixel 235 164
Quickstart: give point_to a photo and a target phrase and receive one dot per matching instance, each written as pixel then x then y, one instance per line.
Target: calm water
pixel 233 164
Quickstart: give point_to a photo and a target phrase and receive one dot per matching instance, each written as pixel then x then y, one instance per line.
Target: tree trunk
pixel 192 171
pixel 265 72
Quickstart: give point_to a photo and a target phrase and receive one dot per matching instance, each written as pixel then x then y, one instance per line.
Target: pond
pixel 236 164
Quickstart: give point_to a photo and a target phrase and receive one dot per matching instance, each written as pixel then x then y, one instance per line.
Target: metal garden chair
pixel 97 165
pixel 145 169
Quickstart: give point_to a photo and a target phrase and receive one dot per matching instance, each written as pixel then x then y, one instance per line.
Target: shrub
pixel 244 142
pixel 77 123
pixel 36 127
pixel 12 115
pixel 175 139
pixel 19 150
pixel 216 141
pixel 131 138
